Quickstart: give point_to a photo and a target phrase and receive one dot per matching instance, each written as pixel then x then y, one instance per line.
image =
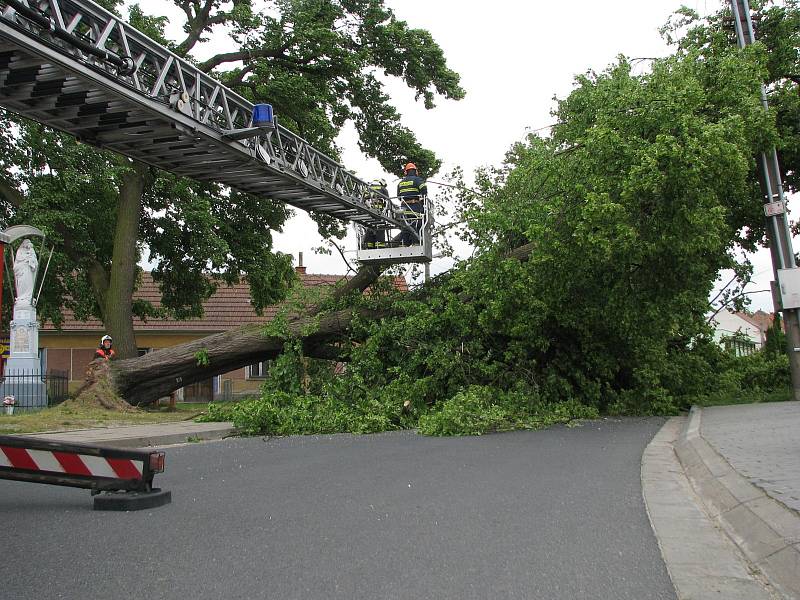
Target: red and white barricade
pixel 98 468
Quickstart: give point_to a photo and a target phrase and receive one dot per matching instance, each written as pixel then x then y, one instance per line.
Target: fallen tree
pixel 142 380
pixel 596 249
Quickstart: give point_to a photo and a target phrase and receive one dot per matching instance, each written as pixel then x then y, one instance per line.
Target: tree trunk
pixel 143 380
pixel 117 306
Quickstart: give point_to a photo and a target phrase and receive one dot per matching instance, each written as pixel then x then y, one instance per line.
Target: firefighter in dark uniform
pixel 412 191
pixel 376 238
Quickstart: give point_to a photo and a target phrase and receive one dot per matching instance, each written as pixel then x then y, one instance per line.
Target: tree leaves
pixel 641 195
pixel 314 60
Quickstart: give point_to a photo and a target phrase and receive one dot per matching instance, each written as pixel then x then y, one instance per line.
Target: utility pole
pixel 787 275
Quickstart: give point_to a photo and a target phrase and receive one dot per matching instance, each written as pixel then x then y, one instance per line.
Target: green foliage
pixel 475 411
pixel 777 25
pixel 775 343
pixel 480 409
pixel 280 413
pixel 202 357
pixel 293 373
pixel 317 62
pixel 314 61
pixel 759 377
pixel 644 191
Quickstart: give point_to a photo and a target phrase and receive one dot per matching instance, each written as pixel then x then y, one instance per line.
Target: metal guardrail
pixel 73 65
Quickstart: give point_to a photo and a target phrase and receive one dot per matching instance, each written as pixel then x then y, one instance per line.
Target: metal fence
pixel 34 390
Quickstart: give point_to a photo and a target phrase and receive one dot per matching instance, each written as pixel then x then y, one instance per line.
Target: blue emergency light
pixel 262 115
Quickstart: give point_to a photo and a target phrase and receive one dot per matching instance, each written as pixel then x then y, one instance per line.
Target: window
pixel 259 370
pixel 739 346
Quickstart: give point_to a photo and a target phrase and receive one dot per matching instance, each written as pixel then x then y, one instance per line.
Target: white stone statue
pixel 25 268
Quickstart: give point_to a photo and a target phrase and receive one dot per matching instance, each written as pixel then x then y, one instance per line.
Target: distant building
pixel 741 333
pixel 71 348
pixel 763 320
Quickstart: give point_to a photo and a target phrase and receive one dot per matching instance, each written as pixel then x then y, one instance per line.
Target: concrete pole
pixel 2 274
pixel 778 232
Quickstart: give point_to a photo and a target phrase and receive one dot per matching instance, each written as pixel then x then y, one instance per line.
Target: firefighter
pixel 376 238
pixel 412 192
pixel 105 351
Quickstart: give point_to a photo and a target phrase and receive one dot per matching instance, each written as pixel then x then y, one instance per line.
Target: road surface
pixel 550 515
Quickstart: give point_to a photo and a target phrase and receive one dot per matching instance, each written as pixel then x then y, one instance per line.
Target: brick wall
pixel 59 359
pixel 80 360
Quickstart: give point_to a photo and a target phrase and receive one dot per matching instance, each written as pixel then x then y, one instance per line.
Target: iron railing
pixel 34 390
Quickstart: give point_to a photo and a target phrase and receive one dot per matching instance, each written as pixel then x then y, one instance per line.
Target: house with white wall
pixel 738 332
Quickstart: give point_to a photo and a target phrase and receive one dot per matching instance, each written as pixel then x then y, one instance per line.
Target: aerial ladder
pixel 76 67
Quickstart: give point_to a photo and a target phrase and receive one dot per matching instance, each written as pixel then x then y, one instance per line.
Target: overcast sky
pixel 513 57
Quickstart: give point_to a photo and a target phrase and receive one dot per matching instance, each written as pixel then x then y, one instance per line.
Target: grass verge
pixel 65 417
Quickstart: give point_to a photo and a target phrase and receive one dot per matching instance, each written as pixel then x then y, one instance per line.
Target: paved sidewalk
pixel 702 561
pixel 762 442
pixel 140 436
pixel 741 462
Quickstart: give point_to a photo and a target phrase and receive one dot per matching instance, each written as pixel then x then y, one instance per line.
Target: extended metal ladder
pixel 74 66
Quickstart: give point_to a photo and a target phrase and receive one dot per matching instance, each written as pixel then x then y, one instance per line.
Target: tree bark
pixel 117 301
pixel 143 380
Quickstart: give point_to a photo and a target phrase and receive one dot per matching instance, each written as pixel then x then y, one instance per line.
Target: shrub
pixel 281 413
pixel 480 409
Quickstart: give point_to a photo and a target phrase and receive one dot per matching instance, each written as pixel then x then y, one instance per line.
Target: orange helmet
pixel 409 167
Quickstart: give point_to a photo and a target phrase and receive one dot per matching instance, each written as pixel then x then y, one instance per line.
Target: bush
pixel 759 377
pixel 281 413
pixel 480 409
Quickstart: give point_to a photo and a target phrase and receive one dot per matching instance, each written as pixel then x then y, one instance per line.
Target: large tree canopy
pixel 596 247
pixel 320 63
pixel 627 213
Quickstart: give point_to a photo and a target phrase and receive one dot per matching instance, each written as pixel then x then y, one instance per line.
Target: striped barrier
pixel 124 477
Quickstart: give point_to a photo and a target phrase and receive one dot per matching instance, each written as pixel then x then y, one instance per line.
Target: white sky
pixel 513 57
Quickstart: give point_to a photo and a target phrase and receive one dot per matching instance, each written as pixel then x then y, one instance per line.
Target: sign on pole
pixel 773 209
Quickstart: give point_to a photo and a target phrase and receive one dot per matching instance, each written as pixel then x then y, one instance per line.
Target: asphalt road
pixel 554 514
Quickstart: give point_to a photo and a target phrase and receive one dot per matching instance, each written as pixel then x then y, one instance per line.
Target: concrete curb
pixel 766 531
pixel 142 436
pixel 702 562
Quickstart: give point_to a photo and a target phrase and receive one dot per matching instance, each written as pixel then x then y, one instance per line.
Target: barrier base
pixel 132 500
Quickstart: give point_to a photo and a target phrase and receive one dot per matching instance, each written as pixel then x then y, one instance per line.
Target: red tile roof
pixel 760 319
pixel 228 307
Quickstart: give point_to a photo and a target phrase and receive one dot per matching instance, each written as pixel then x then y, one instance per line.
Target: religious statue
pixel 25 268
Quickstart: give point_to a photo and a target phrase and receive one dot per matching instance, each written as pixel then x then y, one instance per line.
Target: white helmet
pixel 106 337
